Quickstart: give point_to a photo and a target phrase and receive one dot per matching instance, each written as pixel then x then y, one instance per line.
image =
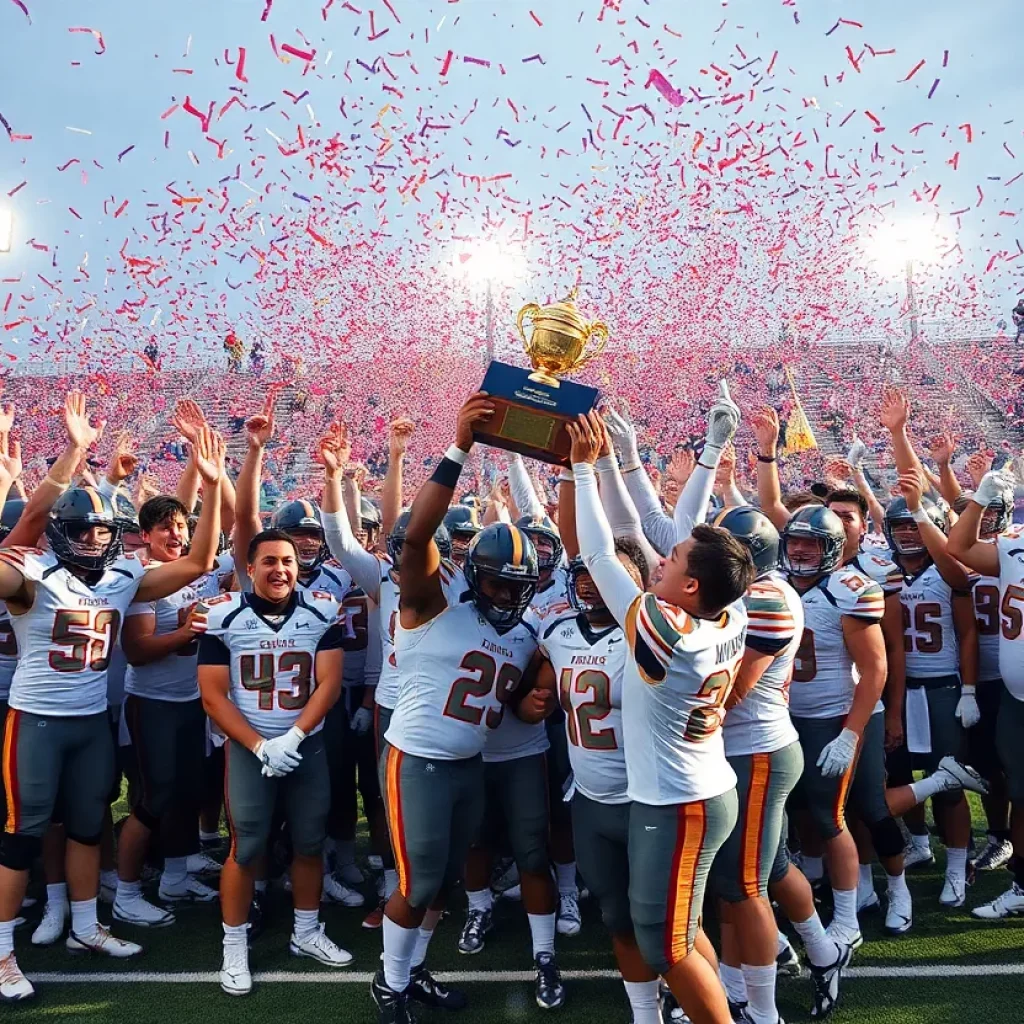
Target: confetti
pixel 667 90
pixel 97 35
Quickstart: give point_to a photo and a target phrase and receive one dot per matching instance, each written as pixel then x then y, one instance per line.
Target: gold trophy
pixel 531 409
pixel 560 335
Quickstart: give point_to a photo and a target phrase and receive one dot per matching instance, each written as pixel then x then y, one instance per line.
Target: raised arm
pixel 623 517
pixel 523 493
pixel 911 487
pixel 942 449
pixel 400 432
pixel 567 514
pixel 123 462
pixel 259 430
pixel 769 492
pixel 895 414
pixel 965 544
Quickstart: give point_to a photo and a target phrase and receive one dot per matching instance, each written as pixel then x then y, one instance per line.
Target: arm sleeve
pixel 359 563
pixel 692 507
pixel 623 517
pixel 523 493
pixel 213 651
pixel 104 486
pixel 734 497
pixel 658 527
pixel 597 546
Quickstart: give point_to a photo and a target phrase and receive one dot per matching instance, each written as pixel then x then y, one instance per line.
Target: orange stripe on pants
pixel 11 771
pixel 753 824
pixel 392 773
pixel 691 828
pixel 839 809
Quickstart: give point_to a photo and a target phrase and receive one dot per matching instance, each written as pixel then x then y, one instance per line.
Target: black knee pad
pixel 18 851
pixel 886 837
pixel 93 840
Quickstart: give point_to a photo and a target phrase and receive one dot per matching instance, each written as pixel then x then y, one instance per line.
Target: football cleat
pixel 787 963
pixel 899 915
pixel 375 918
pixel 392 1007
pixel 189 891
pixel 867 900
pixel 101 941
pixel 335 892
pixel 51 927
pixel 960 776
pixel 917 856
pixel 954 892
pixel 320 948
pixel 826 983
pixel 202 863
pixel 14 986
pixel 671 1011
pixel 1009 904
pixel 235 978
pixel 996 854
pixel 841 937
pixel 478 924
pixel 142 914
pixel 426 989
pixel 549 988
pixel 569 921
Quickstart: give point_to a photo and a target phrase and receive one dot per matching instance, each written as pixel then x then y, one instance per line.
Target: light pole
pixel 6 228
pixel 912 303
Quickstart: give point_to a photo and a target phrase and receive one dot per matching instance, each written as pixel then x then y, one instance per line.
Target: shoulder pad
pixel 853 593
pixel 552 626
pixel 30 562
pixel 219 610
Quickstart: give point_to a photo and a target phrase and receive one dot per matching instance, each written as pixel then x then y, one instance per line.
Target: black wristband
pixel 766 458
pixel 447 473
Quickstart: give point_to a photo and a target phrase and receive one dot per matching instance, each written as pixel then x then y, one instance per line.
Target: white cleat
pixel 51 927
pixel 14 986
pixel 199 864
pixel 235 978
pixel 916 856
pixel 320 948
pixel 1009 904
pixel 954 892
pixel 956 775
pixel 569 921
pixel 867 899
pixel 899 915
pixel 336 892
pixel 514 893
pixel 189 891
pixel 101 941
pixel 142 914
pixel 844 938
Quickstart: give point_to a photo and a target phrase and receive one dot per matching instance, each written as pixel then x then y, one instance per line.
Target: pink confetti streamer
pixel 913 71
pixel 266 10
pixel 665 87
pixel 931 91
pixel 96 34
pixel 24 9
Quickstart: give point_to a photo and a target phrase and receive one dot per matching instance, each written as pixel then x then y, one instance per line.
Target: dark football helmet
pixel 74 512
pixel 125 512
pixel 462 524
pixel 293 516
pixel 817 523
pixel 897 514
pixel 577 568
pixel 504 553
pixel 997 516
pixel 754 530
pixel 540 528
pixel 396 538
pixel 369 514
pixel 10 515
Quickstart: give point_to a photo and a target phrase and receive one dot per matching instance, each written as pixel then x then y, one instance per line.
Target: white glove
pixel 855 456
pixel 361 721
pixel 723 420
pixel 623 436
pixel 994 484
pixel 967 710
pixel 280 755
pixel 837 756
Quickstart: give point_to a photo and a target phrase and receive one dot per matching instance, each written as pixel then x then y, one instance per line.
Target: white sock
pixel 956 862
pixel 542 931
pixel 733 982
pixel 57 894
pixel 821 950
pixel 782 943
pixel 482 899
pixel 108 879
pixel 865 880
pixel 208 837
pixel 761 994
pixel 895 884
pixel 921 842
pixel 127 892
pixel 812 867
pixel 423 937
pixel 175 872
pixel 566 875
pixel 346 852
pixel 83 917
pixel 260 885
pixel 390 882
pixel 643 1000
pixel 399 947
pixel 236 934
pixel 928 787
pixel 307 924
pixel 845 903
pixel 6 938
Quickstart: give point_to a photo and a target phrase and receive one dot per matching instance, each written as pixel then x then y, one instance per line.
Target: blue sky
pixel 529 123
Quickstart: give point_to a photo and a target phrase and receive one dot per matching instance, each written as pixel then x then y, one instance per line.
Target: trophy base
pixel 545 378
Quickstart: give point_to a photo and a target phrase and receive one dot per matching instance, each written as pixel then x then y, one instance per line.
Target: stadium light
pixel 6 228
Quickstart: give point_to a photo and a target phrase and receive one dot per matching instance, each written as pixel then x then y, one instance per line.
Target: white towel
pixel 919 724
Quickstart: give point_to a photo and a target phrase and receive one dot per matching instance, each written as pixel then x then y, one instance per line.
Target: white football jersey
pixel 588 667
pixel 1011 583
pixel 929 637
pixel 760 723
pixel 986 595
pixel 455 674
pixel 824 675
pixel 551 602
pixel 272 662
pixel 881 569
pixel 677 678
pixel 8 652
pixel 67 636
pixel 172 678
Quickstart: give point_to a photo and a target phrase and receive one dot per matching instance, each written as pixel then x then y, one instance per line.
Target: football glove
pixel 280 755
pixel 836 757
pixel 855 456
pixel 994 484
pixel 623 435
pixel 967 709
pixel 723 419
pixel 361 721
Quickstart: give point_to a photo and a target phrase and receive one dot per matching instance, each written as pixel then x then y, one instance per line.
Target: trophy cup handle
pixel 529 310
pixel 599 330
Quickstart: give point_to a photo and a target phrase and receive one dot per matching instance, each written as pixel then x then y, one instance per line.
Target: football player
pixel 270 668
pixel 458 664
pixel 66 607
pixel 462 524
pixel 685 644
pixel 1003 560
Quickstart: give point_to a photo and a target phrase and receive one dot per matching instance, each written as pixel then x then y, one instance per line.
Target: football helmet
pixel 10 515
pixel 897 514
pixel 754 530
pixel 577 568
pixel 369 514
pixel 814 522
pixel 126 514
pixel 293 516
pixel 461 520
pixel 74 512
pixel 997 516
pixel 540 528
pixel 500 552
pixel 396 538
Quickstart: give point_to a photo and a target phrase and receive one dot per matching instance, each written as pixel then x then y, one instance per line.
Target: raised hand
pixel 681 465
pixel 837 473
pixel 188 419
pixel 895 410
pixel 260 427
pixel 725 475
pixel 210 451
pixel 476 409
pixel 587 435
pixel 6 417
pixel 123 461
pixel 81 433
pixel 912 488
pixel 333 449
pixel 766 429
pixel 622 434
pixel 941 448
pixel 978 465
pixel 10 461
pixel 399 433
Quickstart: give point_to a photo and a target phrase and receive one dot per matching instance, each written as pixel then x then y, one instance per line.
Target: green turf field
pixel 951 969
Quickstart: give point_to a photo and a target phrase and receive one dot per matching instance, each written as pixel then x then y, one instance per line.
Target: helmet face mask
pixel 83 530
pixel 396 539
pixel 902 531
pixel 583 593
pixel 997 517
pixel 301 521
pixel 502 574
pixel 812 543
pixel 546 541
